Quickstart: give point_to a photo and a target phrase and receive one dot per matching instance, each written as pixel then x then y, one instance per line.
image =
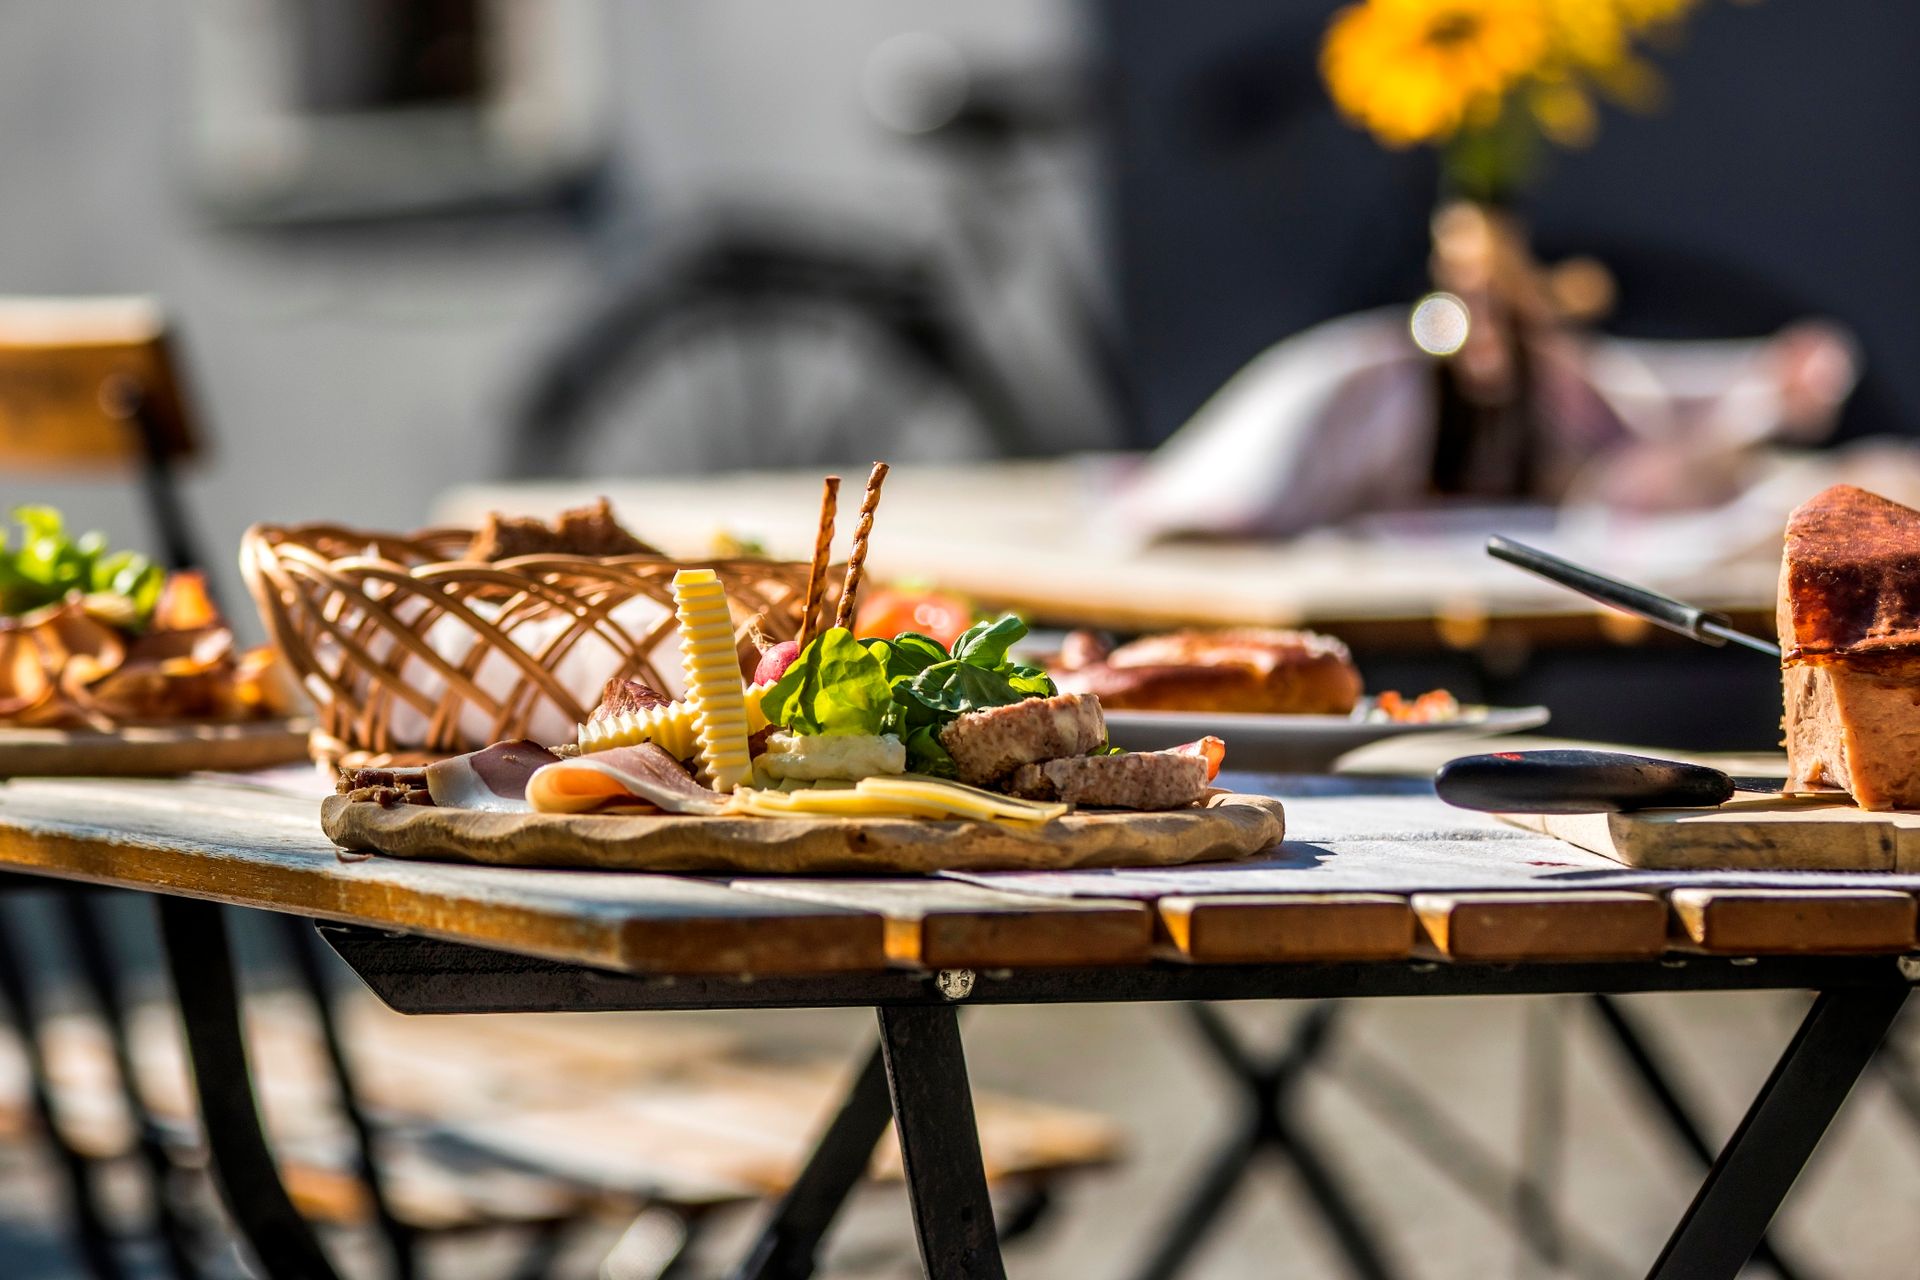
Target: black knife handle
pixel 1577 782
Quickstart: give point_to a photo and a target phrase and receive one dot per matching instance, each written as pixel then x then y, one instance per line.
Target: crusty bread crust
pixel 1247 670
pixel 1849 620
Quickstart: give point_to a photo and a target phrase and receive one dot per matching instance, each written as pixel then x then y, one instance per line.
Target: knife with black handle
pixel 1570 781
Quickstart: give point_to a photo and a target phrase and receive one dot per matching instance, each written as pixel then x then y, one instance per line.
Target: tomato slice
pixel 888 612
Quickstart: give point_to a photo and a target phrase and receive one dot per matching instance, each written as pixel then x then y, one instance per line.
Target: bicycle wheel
pixel 713 375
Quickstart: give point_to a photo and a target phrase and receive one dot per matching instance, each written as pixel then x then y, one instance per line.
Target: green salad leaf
pixel 835 686
pixel 985 644
pixel 925 754
pixel 910 686
pixel 907 654
pixel 46 565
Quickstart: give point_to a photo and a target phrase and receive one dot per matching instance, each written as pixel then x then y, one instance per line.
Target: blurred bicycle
pixel 767 337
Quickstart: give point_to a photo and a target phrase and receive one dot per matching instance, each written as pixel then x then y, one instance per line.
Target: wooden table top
pixel 236 842
pixel 1038 537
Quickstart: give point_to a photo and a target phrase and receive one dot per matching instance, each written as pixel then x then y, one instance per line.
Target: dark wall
pixel 1780 181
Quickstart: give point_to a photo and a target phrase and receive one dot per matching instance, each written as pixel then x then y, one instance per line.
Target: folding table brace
pixel 1755 1170
pixel 1665 1096
pixel 1268 1087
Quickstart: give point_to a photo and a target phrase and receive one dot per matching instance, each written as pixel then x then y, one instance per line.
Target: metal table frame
pixel 918 1075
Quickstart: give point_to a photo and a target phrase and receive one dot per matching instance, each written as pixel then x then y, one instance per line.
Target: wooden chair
pixel 92 386
pixel 531 1122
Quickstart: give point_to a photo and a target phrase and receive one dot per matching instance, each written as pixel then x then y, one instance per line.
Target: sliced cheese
pixel 714 687
pixel 913 797
pixel 671 727
pixel 830 803
pixel 961 798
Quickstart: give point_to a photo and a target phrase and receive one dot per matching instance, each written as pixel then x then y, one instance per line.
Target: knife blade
pixel 1580 781
pixel 1689 620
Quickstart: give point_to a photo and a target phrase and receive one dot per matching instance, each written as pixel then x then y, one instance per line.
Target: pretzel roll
pixel 1248 669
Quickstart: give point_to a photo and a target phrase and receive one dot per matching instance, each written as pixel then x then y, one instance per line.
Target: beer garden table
pixel 1315 924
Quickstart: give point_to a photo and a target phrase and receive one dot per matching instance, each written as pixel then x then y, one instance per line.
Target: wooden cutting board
pixel 150 750
pixel 1228 826
pixel 1748 833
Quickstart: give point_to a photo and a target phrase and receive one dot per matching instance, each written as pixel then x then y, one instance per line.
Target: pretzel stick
pixel 822 551
pixel 857 558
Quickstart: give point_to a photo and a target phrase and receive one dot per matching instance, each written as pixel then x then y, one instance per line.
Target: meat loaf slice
pixel 1137 780
pixel 988 745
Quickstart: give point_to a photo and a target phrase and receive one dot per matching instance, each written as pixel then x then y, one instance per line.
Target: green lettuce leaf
pixel 953 688
pixel 909 685
pixel 907 655
pixel 835 686
pixel 985 644
pixel 46 565
pixel 926 755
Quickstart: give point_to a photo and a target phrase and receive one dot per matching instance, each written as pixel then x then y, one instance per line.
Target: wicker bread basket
pixel 412 654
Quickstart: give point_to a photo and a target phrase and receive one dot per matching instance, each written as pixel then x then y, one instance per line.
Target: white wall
pixel 352 374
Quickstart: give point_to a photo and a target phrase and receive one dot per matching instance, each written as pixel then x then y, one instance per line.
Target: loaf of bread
pixel 1246 669
pixel 1849 618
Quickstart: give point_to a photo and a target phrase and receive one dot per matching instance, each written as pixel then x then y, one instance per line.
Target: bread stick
pixel 822 553
pixel 857 558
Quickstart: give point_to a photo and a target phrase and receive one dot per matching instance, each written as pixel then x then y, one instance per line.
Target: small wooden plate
pixel 150 749
pixel 1228 825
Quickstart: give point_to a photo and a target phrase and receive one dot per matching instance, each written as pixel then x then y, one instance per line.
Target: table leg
pixel 1760 1162
pixel 790 1240
pixel 939 1143
pixel 1659 1086
pixel 200 962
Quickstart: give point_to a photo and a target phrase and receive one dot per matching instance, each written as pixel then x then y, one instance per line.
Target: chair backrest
pixel 88 384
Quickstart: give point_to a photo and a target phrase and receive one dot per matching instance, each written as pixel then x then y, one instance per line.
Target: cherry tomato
pixel 889 611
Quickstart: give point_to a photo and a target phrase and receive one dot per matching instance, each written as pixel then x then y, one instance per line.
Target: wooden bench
pixel 534 1121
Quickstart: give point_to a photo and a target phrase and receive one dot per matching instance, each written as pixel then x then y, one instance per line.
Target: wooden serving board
pixel 1748 833
pixel 1229 825
pixel 151 750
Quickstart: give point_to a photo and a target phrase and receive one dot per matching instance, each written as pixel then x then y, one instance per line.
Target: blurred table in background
pixel 1416 596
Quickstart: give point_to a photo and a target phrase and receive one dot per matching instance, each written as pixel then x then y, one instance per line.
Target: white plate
pixel 1299 744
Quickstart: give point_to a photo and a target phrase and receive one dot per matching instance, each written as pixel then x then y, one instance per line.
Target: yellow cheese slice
pixel 830 803
pixel 714 687
pixel 671 727
pixel 960 798
pixel 898 798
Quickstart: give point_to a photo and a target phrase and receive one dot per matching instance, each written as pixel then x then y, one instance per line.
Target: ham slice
pixel 493 779
pixel 1849 617
pixel 624 777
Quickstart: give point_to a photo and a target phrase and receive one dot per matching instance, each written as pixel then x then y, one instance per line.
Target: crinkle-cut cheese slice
pixel 898 798
pixel 714 687
pixel 670 727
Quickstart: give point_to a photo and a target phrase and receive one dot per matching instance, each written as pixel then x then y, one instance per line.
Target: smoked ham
pixel 1849 617
pixel 494 779
pixel 637 777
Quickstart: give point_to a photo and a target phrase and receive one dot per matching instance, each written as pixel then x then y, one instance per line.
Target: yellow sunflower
pixel 1413 71
pixel 1651 13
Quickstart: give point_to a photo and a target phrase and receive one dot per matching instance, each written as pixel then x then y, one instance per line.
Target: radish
pixel 775 661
